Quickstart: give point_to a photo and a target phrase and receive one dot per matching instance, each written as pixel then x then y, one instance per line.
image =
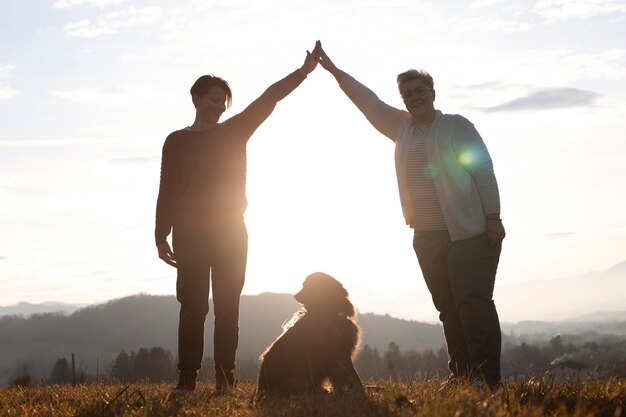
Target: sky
pixel 89 89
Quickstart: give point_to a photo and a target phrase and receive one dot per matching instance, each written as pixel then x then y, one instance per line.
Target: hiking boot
pixel 224 383
pixel 452 382
pixel 186 384
pixel 482 383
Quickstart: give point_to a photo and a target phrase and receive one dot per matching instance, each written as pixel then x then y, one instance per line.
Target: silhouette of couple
pixel 448 192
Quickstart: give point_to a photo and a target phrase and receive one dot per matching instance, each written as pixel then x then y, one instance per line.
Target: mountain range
pixel 593 296
pixel 97 334
pixel 27 309
pixel 599 293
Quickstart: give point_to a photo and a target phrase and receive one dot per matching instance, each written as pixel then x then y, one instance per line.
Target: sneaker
pixel 186 384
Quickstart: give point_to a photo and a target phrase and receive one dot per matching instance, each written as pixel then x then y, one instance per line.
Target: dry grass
pixel 533 397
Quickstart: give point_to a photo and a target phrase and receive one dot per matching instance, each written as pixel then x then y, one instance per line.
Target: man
pixel 202 202
pixel 450 197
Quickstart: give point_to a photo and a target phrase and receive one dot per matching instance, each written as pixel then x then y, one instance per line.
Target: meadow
pixel 528 397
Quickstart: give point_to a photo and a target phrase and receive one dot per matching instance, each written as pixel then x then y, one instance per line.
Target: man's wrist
pixel 493 216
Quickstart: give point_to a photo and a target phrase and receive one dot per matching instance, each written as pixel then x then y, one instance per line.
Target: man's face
pixel 419 99
pixel 211 106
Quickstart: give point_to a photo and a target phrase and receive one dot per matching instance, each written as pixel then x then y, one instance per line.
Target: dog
pixel 317 346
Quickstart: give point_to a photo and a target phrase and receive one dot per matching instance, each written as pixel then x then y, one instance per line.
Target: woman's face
pixel 211 106
pixel 419 99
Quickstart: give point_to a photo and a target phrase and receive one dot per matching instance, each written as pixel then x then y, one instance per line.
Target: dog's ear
pixel 347 308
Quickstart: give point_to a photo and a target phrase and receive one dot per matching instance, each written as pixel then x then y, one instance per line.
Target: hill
pixel 593 297
pixel 96 334
pixel 27 309
pixel 548 299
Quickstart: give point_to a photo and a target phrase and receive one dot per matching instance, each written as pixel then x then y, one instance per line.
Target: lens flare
pixel 466 158
pixel 430 170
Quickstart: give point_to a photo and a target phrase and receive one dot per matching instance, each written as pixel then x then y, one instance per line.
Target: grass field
pixel 532 397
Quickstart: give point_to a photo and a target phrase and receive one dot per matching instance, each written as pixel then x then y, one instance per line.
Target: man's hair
pixel 203 84
pixel 413 74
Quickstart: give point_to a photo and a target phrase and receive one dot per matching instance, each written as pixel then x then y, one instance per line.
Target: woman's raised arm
pixel 385 118
pixel 251 118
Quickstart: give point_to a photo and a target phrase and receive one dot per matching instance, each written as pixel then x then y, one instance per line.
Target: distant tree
pixel 414 364
pixel 442 361
pixel 153 364
pixel 61 372
pixel 122 369
pixel 556 347
pixel 142 366
pixel 393 360
pixel 369 364
pixel 430 364
pixel 22 376
pixel 523 360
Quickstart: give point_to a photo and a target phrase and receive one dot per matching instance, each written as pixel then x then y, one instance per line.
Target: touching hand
pixel 310 62
pixel 325 62
pixel 323 59
pixel 166 254
pixel 495 232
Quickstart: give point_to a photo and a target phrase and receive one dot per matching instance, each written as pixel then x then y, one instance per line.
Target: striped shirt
pixel 466 190
pixel 424 211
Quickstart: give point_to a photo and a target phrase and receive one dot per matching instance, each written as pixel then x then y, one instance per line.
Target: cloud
pixel 134 160
pixel 548 99
pixel 555 10
pixel 565 66
pixel 7 93
pixel 113 22
pixel 107 96
pixel 67 4
pixel 560 235
pixel 39 143
pixel 491 25
pixel 480 4
pixel 541 68
pixel 6 70
pixel 84 29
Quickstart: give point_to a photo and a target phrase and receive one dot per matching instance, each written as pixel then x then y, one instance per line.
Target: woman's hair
pixel 203 84
pixel 413 74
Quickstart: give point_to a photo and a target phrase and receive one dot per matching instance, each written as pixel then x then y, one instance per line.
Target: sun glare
pixel 466 158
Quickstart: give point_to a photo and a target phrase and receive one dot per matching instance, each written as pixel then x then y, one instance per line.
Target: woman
pixel 450 198
pixel 202 201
